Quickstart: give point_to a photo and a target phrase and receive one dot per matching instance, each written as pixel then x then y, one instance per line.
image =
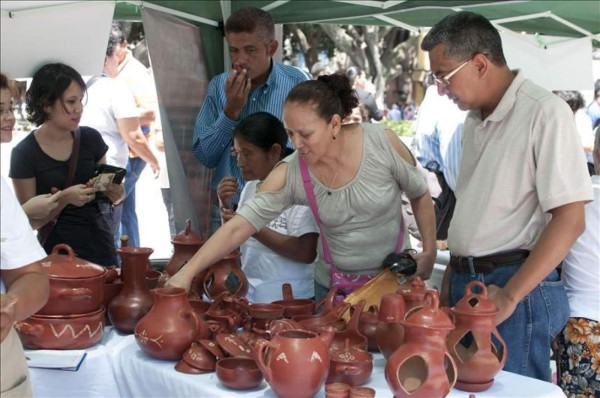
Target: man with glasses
pixel 521 188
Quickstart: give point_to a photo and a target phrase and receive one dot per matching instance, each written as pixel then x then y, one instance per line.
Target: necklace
pixel 337 170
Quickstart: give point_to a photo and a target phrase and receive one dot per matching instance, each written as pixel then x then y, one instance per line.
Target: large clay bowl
pixel 57 332
pixel 238 373
pixel 296 307
pixel 266 311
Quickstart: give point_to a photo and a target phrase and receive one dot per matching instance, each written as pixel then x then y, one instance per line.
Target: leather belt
pixel 485 264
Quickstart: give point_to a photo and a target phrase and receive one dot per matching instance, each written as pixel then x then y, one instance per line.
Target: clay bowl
pixel 213 348
pixel 183 367
pixel 199 357
pixel 296 307
pixel 349 365
pixel 239 373
pixel 57 332
pixel 266 311
pixel 152 278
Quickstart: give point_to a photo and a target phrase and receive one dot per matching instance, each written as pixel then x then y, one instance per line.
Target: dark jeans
pixel 129 220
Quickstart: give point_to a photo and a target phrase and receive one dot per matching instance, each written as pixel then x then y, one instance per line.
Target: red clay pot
pixel 390 330
pixel 226 275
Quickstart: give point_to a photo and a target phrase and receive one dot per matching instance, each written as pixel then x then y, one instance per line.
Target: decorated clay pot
pixel 238 373
pixel 134 300
pixel 350 365
pixel 413 293
pixel 472 343
pixel 170 327
pixel 76 285
pixel 62 332
pixel 390 330
pixel 422 366
pixel 296 362
pixel 226 275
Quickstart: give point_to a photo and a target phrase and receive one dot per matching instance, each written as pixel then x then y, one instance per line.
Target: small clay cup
pixel 337 390
pixel 361 392
pixel 238 373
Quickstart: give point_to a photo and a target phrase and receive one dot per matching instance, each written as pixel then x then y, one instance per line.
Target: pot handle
pixel 260 348
pixel 77 294
pixel 28 328
pixel 65 247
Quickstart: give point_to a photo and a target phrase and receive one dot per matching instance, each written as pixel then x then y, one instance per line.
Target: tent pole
pixel 170 11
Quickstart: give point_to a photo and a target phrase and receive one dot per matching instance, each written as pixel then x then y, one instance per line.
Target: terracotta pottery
pixel 239 373
pixel 212 347
pixel 422 366
pixel 279 325
pixel 296 362
pixel 471 343
pixel 331 318
pixel 170 327
pixel 390 330
pixel 294 306
pixel 361 392
pixel 231 344
pixel 413 293
pixel 226 275
pixel 134 300
pixel 199 357
pixel 112 273
pixel 183 367
pixel 227 319
pixel 152 278
pixel 337 390
pixel 367 325
pixel 62 332
pixel 350 365
pixel 350 334
pixel 76 285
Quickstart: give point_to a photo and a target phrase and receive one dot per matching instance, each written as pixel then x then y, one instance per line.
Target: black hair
pixel 331 95
pixel 571 97
pixel 263 130
pixel 249 20
pixel 464 35
pixel 48 85
pixel 115 37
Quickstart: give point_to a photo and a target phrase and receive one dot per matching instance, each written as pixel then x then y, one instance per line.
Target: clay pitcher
pixel 296 362
pixel 475 344
pixel 226 275
pixel 390 331
pixel 134 300
pixel 422 366
pixel 170 327
pixel 185 244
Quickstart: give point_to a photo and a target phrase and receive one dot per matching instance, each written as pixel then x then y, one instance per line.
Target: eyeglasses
pixel 445 81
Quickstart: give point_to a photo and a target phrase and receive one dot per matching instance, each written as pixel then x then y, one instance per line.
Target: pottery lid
pixel 349 353
pixel 187 236
pixel 413 291
pixel 69 266
pixel 475 303
pixel 430 316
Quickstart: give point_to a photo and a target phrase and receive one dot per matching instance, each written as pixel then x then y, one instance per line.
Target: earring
pixel 333 136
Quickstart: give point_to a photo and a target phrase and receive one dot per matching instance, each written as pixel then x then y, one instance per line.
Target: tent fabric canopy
pixel 553 18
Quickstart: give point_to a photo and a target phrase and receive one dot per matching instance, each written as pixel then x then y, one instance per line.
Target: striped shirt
pixel 213 129
pixel 438 135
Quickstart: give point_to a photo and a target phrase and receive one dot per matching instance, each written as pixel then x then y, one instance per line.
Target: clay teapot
pixel 389 334
pixel 292 351
pixel 294 306
pixel 475 344
pixel 226 275
pixel 422 366
pixel 350 365
pixel 367 325
pixel 171 325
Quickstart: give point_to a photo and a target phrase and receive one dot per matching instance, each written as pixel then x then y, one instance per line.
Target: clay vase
pixel 185 244
pixel 390 330
pixel 134 300
pixel 296 362
pixel 170 327
pixel 422 366
pixel 367 325
pixel 472 343
pixel 413 293
pixel 226 275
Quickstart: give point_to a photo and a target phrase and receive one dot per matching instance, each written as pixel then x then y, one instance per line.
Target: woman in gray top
pixel 358 173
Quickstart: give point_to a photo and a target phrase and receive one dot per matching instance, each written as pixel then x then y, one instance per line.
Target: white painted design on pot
pixel 144 338
pixel 75 335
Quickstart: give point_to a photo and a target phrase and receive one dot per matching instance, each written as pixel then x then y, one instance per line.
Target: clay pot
pixel 76 285
pixel 112 273
pixel 350 334
pixel 350 365
pixel 185 244
pixel 152 278
pixel 294 306
pixel 413 293
pixel 367 325
pixel 337 390
pixel 62 332
pixel 361 392
pixel 331 318
pixel 390 330
pixel 134 300
pixel 422 366
pixel 199 357
pixel 471 343
pixel 239 373
pixel 279 325
pixel 227 319
pixel 226 275
pixel 231 344
pixel 294 351
pixel 170 327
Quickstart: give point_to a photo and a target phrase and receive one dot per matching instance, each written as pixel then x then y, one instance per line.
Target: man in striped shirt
pixel 256 83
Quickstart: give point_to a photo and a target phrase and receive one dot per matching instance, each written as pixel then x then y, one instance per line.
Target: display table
pixel 117 367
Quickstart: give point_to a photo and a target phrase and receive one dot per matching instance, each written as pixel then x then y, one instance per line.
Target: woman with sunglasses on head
pixel 285 250
pixel 59 151
pixel 357 172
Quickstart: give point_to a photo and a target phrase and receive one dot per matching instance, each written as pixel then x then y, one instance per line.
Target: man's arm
pixel 129 128
pixel 567 223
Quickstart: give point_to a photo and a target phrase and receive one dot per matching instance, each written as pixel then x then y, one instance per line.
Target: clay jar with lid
pixel 76 285
pixel 170 327
pixel 226 275
pixel 185 244
pixel 350 365
pixel 422 366
pixel 472 343
pixel 413 293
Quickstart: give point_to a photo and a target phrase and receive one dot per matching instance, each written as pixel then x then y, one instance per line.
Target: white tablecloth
pixel 117 367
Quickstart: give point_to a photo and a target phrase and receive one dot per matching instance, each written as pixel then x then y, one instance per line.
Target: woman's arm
pixel 298 248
